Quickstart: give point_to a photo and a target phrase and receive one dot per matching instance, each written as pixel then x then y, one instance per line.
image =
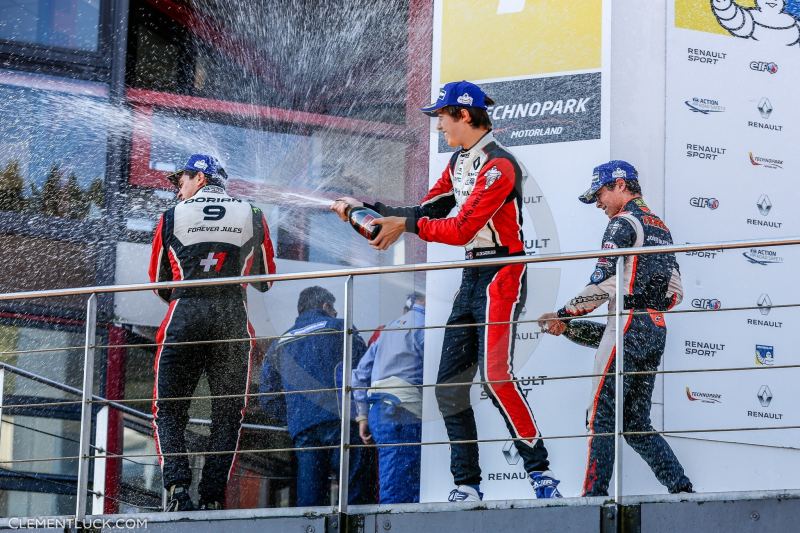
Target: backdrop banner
pixel 731 164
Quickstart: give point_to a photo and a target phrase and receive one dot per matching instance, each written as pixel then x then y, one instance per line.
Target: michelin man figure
pixel 767 22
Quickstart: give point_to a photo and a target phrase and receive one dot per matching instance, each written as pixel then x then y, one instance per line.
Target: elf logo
pixel 764 66
pixel 709 304
pixel 699 201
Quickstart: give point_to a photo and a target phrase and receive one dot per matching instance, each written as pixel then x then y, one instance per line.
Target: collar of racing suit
pixel 487 138
pixel 633 204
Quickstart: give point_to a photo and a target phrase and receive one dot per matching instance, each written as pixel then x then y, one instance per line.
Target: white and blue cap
pixel 457 93
pixel 608 173
pixel 207 164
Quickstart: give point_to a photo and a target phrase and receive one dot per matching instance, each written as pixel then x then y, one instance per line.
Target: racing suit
pixel 652 285
pixel 210 235
pixel 485 184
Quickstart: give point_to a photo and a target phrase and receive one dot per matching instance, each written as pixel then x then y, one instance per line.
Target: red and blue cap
pixel 608 173
pixel 457 93
pixel 207 164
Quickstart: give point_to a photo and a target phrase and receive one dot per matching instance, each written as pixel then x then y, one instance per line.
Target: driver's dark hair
pixel 632 186
pixel 479 118
pixel 313 298
pixel 220 179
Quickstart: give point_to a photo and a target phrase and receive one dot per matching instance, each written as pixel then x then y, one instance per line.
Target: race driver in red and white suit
pixel 484 182
pixel 208 234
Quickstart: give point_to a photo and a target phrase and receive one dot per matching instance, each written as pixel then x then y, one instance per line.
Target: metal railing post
pixel 347 367
pixel 2 396
pixel 619 366
pixel 86 409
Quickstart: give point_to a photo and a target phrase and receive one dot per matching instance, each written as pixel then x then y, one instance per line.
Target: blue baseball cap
pixel 608 173
pixel 458 93
pixel 207 164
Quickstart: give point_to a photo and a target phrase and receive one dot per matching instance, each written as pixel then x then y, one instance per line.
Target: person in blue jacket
pixel 309 357
pixel 389 408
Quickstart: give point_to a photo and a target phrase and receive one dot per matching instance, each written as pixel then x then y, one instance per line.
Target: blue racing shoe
pixel 545 485
pixel 465 493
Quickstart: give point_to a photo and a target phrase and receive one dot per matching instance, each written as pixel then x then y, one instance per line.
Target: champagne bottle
pixel 361 219
pixel 585 332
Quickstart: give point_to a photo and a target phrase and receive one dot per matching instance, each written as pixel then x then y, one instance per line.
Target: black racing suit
pixel 210 235
pixel 485 184
pixel 652 285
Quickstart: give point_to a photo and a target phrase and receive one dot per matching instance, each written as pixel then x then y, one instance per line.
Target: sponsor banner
pixel 543 110
pixel 748 403
pixel 730 165
pixel 540 111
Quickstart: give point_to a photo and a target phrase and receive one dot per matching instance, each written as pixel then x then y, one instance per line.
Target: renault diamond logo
pixel 511 453
pixel 764 205
pixel 764 396
pixel 765 108
pixel 764 304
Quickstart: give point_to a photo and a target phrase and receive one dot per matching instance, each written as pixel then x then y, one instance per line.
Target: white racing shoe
pixel 465 493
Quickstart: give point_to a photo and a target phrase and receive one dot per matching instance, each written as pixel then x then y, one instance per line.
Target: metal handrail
pixel 120 404
pixel 88 398
pixel 116 404
pixel 397 269
pixel 419 444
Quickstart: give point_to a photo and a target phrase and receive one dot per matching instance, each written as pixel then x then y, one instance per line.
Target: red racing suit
pixel 210 235
pixel 485 184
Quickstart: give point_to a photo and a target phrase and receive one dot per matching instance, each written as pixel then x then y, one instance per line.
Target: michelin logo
pixel 769 21
pixel 765 355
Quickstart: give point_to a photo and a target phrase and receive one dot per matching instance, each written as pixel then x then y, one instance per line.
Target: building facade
pixel 99 100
